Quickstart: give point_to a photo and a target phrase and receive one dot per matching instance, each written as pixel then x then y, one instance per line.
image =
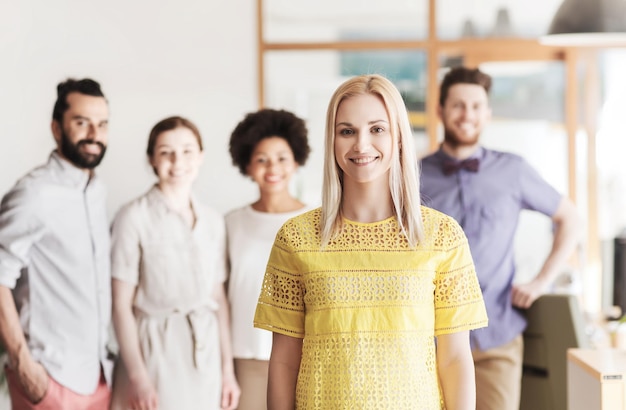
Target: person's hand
pixel 34 380
pixel 230 392
pixel 143 395
pixel 525 294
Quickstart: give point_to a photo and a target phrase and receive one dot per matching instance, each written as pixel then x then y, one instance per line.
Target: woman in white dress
pixel 267 146
pixel 170 312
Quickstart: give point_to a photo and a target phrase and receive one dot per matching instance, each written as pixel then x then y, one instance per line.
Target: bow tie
pixel 451 166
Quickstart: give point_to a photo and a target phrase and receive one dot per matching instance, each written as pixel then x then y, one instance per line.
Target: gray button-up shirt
pixel 487 204
pixel 54 254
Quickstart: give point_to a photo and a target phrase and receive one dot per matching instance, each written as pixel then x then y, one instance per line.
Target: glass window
pixel 494 18
pixel 346 20
pixel 611 146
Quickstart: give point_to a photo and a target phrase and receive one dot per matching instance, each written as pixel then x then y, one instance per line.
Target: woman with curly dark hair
pixel 267 146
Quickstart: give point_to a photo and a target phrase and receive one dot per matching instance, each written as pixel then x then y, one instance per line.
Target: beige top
pixel 174 267
pixel 176 270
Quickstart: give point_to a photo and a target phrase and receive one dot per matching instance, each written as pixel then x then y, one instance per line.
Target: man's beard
pixel 73 153
pixel 453 140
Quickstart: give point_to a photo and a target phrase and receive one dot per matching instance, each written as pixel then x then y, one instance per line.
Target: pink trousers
pixel 58 397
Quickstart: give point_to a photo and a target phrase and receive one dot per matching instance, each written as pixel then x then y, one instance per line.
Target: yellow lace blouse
pixel 368 307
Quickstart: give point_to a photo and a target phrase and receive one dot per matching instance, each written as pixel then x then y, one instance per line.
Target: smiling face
pixel 177 157
pixel 83 133
pixel 363 140
pixel 272 165
pixel 464 114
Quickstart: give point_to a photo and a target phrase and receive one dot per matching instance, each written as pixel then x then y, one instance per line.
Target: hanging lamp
pixel 599 23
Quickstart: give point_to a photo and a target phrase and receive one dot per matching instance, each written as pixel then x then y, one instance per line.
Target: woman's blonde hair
pixel 403 176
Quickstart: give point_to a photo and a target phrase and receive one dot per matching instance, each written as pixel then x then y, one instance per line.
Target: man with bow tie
pixel 485 191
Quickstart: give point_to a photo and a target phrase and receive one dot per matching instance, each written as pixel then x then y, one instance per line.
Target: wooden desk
pixel 596 379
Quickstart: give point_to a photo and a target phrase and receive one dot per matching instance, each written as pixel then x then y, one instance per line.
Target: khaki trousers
pixel 499 376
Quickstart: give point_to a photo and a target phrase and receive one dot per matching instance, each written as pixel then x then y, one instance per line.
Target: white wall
pixel 153 59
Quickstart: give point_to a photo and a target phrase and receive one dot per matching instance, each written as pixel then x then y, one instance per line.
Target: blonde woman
pixel 358 293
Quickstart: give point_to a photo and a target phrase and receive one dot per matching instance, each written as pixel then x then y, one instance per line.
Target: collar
pixel 156 197
pixel 73 175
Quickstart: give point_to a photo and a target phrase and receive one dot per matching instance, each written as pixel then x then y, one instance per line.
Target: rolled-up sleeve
pixel 20 229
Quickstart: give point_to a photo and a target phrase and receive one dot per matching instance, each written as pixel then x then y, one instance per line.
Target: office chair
pixel 555 323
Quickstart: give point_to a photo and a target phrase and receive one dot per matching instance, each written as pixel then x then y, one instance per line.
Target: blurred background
pixel 557 101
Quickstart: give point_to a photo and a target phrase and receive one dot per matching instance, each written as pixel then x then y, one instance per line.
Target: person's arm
pixel 567 235
pixel 456 371
pixel 283 372
pixel 142 392
pixel 230 388
pixel 31 374
pixel 20 229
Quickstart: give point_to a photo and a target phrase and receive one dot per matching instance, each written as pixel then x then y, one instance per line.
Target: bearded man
pixel 485 191
pixel 55 298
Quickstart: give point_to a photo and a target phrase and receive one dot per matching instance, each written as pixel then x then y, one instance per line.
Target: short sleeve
pixel 221 261
pixel 125 246
pixel 280 307
pixel 537 194
pixel 20 228
pixel 459 304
